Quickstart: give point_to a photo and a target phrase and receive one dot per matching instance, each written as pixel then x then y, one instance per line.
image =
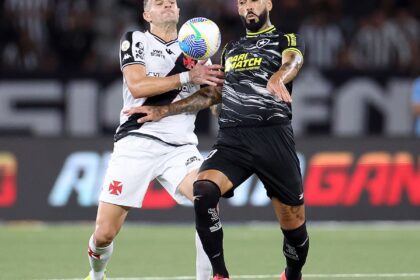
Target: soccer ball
pixel 199 38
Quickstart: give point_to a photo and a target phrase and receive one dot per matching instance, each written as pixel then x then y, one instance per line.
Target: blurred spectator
pixel 415 101
pixel 27 47
pixel 288 16
pixel 410 27
pixel 323 38
pixel 83 35
pixel 72 30
pixel 379 45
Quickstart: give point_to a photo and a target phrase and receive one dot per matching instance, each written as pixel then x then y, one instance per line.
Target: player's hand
pixel 148 113
pixel 277 88
pixel 203 74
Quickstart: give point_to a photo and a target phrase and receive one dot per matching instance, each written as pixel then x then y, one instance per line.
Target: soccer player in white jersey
pixel 155 72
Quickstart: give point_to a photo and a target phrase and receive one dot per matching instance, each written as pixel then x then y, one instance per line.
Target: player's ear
pixel 269 5
pixel 146 17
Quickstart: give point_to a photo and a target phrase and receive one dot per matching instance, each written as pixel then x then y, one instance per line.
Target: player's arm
pixel 133 61
pixel 204 98
pixel 141 85
pixel 293 49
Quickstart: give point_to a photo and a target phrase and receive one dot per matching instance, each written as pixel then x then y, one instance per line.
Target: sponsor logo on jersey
pixel 127 56
pixel 153 74
pixel 157 53
pixel 125 45
pixel 241 62
pixel 261 43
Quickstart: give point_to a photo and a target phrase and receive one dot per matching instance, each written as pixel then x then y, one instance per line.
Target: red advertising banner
pixel 345 179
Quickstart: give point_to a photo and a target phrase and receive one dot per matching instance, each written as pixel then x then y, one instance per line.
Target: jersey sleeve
pixel 223 56
pixel 292 42
pixel 132 49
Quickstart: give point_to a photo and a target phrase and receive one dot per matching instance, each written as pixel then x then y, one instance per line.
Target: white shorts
pixel 136 161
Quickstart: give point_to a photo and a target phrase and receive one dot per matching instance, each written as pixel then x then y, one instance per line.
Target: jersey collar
pixel 265 31
pixel 160 40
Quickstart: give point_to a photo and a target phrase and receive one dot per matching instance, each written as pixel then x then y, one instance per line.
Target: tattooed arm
pixel 200 100
pixel 292 61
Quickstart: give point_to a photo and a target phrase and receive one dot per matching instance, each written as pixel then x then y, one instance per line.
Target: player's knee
pixel 104 235
pixel 206 194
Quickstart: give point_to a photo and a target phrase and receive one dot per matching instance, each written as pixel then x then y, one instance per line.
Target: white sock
pixel 98 259
pixel 202 263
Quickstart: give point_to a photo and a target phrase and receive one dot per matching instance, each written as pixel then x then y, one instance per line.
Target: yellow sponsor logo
pixel 243 62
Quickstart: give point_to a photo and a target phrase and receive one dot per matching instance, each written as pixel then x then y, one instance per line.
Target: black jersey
pixel 249 63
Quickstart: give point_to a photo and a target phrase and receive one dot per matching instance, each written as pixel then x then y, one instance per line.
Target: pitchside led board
pixel 345 180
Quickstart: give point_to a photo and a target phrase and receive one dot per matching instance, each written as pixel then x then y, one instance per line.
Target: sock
pixel 98 259
pixel 208 225
pixel 202 262
pixel 295 249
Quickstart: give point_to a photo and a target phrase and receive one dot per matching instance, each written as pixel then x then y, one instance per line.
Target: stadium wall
pixel 338 103
pixel 347 179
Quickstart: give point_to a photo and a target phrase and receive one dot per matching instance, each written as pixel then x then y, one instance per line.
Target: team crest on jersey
pixel 139 50
pixel 263 42
pixel 189 63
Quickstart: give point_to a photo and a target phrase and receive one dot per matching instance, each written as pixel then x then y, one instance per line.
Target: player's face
pixel 162 12
pixel 254 13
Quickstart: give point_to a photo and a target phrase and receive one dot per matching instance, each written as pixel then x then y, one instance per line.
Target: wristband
pixel 184 77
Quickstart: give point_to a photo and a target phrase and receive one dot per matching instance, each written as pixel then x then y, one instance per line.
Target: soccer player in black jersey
pixel 255 135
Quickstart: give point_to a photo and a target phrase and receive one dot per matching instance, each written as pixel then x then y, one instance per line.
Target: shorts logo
pixel 211 154
pixel 115 188
pixel 191 160
pixel 126 56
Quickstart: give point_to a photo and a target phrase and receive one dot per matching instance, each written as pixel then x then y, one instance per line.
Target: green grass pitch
pixel 59 251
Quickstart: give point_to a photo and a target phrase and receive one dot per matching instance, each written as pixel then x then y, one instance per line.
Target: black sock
pixel 208 225
pixel 295 249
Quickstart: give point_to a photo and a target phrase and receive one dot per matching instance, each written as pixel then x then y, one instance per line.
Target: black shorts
pixel 267 151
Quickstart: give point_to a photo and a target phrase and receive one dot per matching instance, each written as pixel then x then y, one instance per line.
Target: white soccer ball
pixel 199 38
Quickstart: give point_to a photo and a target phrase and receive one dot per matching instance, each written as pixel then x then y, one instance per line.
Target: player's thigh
pixel 109 221
pixel 227 167
pixel 277 165
pixel 131 168
pixel 177 172
pixel 289 216
pixel 186 185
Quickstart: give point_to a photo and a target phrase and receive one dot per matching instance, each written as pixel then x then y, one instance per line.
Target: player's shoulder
pixel 289 36
pixel 135 34
pixel 228 46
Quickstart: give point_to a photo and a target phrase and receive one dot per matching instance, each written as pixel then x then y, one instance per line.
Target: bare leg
pixel 109 221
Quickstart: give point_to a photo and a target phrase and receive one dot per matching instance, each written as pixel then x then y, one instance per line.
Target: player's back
pixel 160 59
pixel 249 64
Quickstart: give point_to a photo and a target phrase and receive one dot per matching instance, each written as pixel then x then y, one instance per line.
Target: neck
pixel 266 25
pixel 167 31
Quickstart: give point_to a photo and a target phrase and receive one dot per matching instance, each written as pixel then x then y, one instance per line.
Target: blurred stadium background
pixel 356 119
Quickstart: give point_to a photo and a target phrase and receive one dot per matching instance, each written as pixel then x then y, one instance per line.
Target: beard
pixel 255 25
